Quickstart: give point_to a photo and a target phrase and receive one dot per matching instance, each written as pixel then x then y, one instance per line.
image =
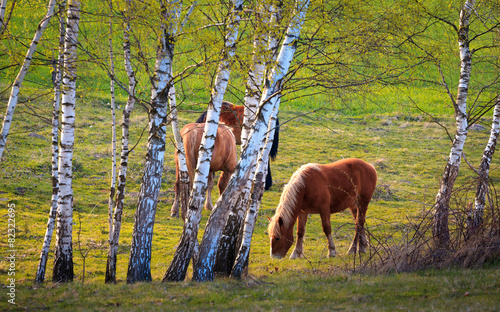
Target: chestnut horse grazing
pixel 323 189
pixel 232 116
pixel 224 158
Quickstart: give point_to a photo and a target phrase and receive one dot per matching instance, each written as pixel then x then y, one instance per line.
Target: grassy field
pixel 408 150
pixel 380 124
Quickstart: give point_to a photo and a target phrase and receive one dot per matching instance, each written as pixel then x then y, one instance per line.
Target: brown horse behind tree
pixel 232 116
pixel 224 158
pixel 322 189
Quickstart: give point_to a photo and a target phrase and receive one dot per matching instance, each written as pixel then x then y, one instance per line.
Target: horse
pixel 232 116
pixel 322 189
pixel 224 158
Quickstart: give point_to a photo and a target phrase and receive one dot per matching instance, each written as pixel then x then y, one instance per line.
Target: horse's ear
pixel 268 218
pixel 280 221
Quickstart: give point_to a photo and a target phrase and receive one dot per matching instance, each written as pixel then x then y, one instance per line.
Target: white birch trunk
pixel 255 200
pixel 441 209
pixel 227 249
pixel 261 53
pixel 114 234
pixel 182 181
pixel 63 262
pixel 112 189
pixel 40 274
pixel 253 89
pixel 204 267
pixel 11 106
pixel 3 7
pixel 182 184
pixel 264 47
pixel 476 218
pixel 139 268
pixel 183 254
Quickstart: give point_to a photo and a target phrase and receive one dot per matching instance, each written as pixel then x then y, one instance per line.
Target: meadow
pixel 397 127
pixel 408 150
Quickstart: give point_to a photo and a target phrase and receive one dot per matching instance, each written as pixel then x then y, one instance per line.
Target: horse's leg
pixel 360 242
pixel 174 212
pixel 210 185
pixel 327 229
pixel 223 181
pixel 360 226
pixel 298 252
pixel 354 245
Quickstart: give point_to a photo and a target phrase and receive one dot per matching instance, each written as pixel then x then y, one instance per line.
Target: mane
pixel 288 200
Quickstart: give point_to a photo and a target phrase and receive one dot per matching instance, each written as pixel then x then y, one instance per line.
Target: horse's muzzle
pixel 276 256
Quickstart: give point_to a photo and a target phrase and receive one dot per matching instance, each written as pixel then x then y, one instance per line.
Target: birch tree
pixel 40 274
pixel 182 185
pixel 16 86
pixel 112 188
pixel 441 207
pixel 63 262
pixel 139 268
pixel 3 7
pixel 476 217
pixel 258 184
pixel 204 267
pixel 114 234
pixel 182 188
pixel 264 45
pixel 177 269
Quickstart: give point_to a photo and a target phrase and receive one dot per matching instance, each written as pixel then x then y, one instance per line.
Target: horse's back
pixel 348 180
pixel 224 155
pixel 354 172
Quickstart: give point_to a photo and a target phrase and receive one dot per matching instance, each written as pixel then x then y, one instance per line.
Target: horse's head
pixel 280 237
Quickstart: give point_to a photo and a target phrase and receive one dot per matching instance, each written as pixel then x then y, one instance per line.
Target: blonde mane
pixel 288 200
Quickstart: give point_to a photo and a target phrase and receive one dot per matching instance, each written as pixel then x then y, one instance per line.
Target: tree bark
pixel 63 262
pixel 182 180
pixel 139 268
pixel 58 69
pixel 265 44
pixel 258 185
pixel 3 7
pixel 112 188
pixel 122 175
pixel 11 106
pixel 177 269
pixel 441 207
pixel 204 267
pixel 476 217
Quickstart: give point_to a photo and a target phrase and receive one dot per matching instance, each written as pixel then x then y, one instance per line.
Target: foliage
pixel 381 123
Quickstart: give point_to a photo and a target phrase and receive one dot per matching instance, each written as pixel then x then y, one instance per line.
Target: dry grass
pixel 417 249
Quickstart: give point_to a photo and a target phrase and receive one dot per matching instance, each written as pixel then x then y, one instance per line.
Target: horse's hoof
pixel 352 251
pixel 332 254
pixel 174 215
pixel 296 255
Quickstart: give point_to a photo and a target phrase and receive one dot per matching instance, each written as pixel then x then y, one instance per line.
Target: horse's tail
pixel 202 117
pixel 274 148
pixel 191 152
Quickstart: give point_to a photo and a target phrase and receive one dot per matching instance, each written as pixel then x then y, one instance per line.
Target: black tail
pixel 272 154
pixel 274 148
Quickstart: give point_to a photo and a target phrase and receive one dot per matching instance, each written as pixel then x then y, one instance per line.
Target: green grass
pixel 379 124
pixel 444 290
pixel 408 151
